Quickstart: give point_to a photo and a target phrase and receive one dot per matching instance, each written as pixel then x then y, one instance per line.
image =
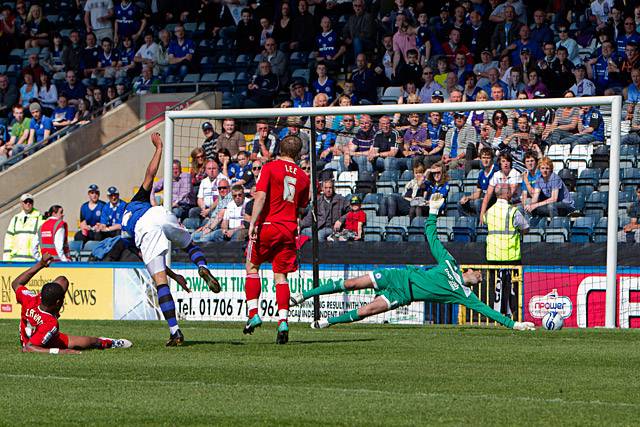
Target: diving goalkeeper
pixel 395 287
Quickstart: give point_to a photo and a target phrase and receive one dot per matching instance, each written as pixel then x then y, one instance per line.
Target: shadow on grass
pixel 221 342
pixel 331 341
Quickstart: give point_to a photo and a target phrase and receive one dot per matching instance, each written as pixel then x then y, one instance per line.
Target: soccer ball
pixel 552 321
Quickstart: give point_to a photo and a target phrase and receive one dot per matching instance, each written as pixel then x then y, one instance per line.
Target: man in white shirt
pixel 505 176
pixel 97 18
pixel 233 227
pixel 148 53
pixel 583 86
pixel 208 191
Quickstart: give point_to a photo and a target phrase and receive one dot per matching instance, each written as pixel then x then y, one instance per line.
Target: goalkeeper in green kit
pixel 395 287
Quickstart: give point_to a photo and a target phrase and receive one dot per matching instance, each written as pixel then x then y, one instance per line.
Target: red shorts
pixel 59 341
pixel 275 244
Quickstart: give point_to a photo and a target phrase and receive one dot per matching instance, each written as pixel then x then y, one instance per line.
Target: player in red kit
pixel 39 330
pixel 282 194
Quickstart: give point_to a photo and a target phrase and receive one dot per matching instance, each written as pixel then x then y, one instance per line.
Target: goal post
pixel 614 102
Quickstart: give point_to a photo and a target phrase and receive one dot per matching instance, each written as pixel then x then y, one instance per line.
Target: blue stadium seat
pixel 415 234
pixel 418 222
pixel 452 203
pixel 387 187
pixel 596 204
pixel 372 234
pixel 399 221
pixel 582 229
pixel 457 174
pixel 481 233
pixel 464 229
pixel 378 221
pixel 372 198
pixel 392 175
pixel 535 235
pixel 394 234
pixel 407 175
pixel 556 235
pixel 445 226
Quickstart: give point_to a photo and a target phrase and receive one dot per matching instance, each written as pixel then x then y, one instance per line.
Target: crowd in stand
pixel 353 53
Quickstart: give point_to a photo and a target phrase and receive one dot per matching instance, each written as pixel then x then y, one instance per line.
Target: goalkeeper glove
pixel 524 326
pixel 435 203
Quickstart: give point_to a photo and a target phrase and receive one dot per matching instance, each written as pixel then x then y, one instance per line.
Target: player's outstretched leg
pixel 377 306
pixel 181 237
pixel 282 299
pixel 252 294
pixel 99 343
pixel 331 287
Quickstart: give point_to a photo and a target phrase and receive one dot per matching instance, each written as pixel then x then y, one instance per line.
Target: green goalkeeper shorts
pixel 393 285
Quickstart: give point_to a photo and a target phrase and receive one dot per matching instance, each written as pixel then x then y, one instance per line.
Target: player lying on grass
pixel 395 287
pixel 39 331
pixel 152 228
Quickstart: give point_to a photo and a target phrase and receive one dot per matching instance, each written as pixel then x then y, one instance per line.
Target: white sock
pixel 252 303
pixel 284 314
pixel 323 323
pixel 174 329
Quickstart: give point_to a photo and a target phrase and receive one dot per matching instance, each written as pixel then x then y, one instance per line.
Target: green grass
pixel 349 375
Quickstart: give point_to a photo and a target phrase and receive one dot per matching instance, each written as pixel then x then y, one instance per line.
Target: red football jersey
pixel 287 189
pixel 36 326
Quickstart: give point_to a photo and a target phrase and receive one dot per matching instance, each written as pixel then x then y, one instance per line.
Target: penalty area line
pixel 454 396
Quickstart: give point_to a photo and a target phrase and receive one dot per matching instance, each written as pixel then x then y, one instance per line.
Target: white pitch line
pixel 336 389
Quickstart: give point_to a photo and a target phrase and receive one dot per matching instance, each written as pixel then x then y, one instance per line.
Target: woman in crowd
pixel 198 162
pixel 283 26
pixel 52 238
pixel 437 182
pixel 500 130
pixel 47 94
pixel 413 201
pixel 28 91
pixel 477 117
pixel 38 28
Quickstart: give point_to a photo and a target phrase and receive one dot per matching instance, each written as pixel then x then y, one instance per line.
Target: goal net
pixel 569 255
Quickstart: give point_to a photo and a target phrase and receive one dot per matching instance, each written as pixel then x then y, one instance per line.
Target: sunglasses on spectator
pixel 347 120
pixel 562 30
pixel 427 73
pixel 223 188
pixel 238 195
pixel 257 168
pixel 200 156
pixel 30 202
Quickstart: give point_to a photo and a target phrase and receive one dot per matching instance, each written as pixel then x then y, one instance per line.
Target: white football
pixel 552 321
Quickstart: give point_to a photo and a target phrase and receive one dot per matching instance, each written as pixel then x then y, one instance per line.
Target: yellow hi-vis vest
pixel 503 238
pixel 21 237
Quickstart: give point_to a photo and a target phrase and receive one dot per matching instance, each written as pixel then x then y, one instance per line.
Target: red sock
pixel 282 299
pixel 104 343
pixel 252 291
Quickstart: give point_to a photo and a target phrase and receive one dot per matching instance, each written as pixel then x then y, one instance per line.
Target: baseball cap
pixel 486 50
pixel 94 187
pixel 538 94
pixel 112 190
pixel 525 50
pixel 459 114
pixel 34 106
pixel 26 196
pixel 296 83
pixel 444 9
pixel 437 94
pixel 355 200
pixel 207 126
pixel 580 67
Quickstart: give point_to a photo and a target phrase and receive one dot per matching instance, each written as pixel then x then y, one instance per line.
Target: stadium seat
pixel 628 156
pixel 596 204
pixel 394 234
pixel 392 175
pixel 407 175
pixel 225 81
pixel 558 153
pixel 580 157
pixel 372 234
pixel 556 235
pixel 481 234
pixel 391 95
pixel 370 209
pixel 415 234
pixel 378 221
pixel 399 221
pixel 464 229
pixel 457 174
pixel 579 200
pixel 343 188
pixel 387 187
pixel 418 222
pixel 452 203
pixel 242 63
pixel 445 226
pixel 582 229
pixel 209 78
pixel 535 235
pixel 297 59
pixel 348 176
pixel 300 74
pixel 372 198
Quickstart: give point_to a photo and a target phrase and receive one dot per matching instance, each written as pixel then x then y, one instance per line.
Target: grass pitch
pixel 347 375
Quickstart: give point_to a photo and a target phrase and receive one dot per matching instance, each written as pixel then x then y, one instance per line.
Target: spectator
pixel 364 81
pixel 331 207
pixel 353 222
pixel 414 139
pixel 584 86
pixel 218 19
pixel 72 52
pixel 233 226
pixel 631 60
pixel 300 96
pixel 524 42
pixel 40 127
pixel 215 216
pixel 430 86
pixel 529 177
pixel 265 144
pixel 443 24
pixel 633 137
pixel 146 83
pixel 38 28
pixel 590 127
pixel 19 134
pixel 64 114
pixel 239 171
pixel 329 45
pixel 277 59
pixel 413 199
pixel 72 89
pixel 90 55
pixel 97 18
pixel 359 31
pixel 163 52
pixel 33 67
pixel 523 140
pixel 323 84
pixel 182 203
pixel 409 72
pixel 551 198
pixel 97 101
pixel 253 174
pixel 387 144
pixel 325 143
pixel 293 128
pixel 83 116
pixel 7 30
pixel 247 33
pixel 302 29
pixel 208 193
pixel 28 91
pixel 506 32
pixel 181 54
pixel 149 54
pixel 600 10
pixel 630 35
pixel 231 139
pixel 111 218
pixel 471 205
pixel 198 162
pixel 361 146
pixel 535 86
pixel 437 181
pixel 90 213
pixel 8 96
pixel 457 140
pixel 209 145
pixel 224 160
pixel 426 41
pixel 129 21
pixel 283 26
pixel 54 63
pixel 505 175
pixel 454 46
pixel 599 69
pixel 480 35
pixel 22 234
pixel 52 236
pixel 436 135
pixel 515 85
pixel 493 76
pixel 540 31
pixel 127 55
pixel 47 94
pixel 564 125
pixel 263 88
pixel 630 232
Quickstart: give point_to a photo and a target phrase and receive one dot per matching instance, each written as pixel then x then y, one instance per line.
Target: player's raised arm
pixel 431 231
pixel 154 164
pixel 27 275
